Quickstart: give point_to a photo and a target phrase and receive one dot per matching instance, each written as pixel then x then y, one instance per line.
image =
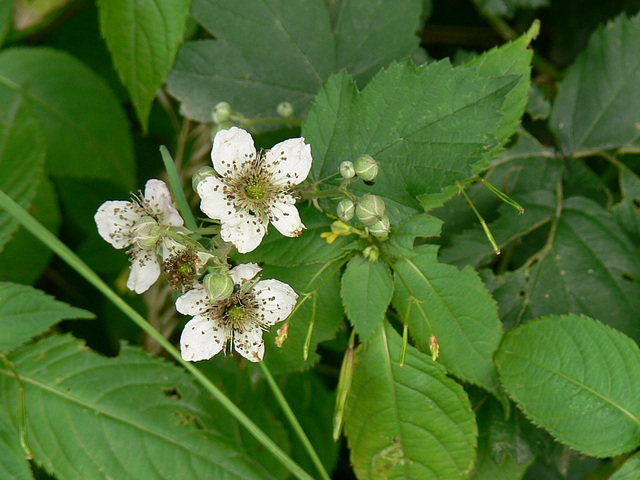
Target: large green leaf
pixel 366 291
pixel 599 99
pixel 575 376
pixel 403 236
pixel 13 464
pixel 85 129
pixel 26 312
pixel 22 153
pixel 407 422
pixel 143 37
pixel 456 307
pixel 129 417
pixel 630 470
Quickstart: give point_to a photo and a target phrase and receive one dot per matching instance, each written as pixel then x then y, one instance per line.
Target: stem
pixel 282 401
pixel 481 220
pixel 176 187
pixel 71 259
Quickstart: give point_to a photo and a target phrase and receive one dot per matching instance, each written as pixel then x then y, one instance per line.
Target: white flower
pixel 139 224
pixel 241 318
pixel 254 189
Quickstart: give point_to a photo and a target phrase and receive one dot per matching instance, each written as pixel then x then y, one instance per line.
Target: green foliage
pixel 6 18
pixel 563 371
pixel 410 421
pixel 13 464
pixel 402 238
pixel 628 471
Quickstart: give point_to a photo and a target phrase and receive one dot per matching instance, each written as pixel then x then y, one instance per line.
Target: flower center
pixel 255 189
pixel 186 270
pixel 236 315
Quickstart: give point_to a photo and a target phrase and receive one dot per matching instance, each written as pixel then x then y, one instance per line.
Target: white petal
pixel 145 270
pixel 244 232
pixel 213 199
pixel 115 220
pixel 285 217
pixel 232 151
pixel 275 300
pixel 249 344
pixel 289 162
pixel 158 197
pixel 243 272
pixel 194 302
pixel 202 338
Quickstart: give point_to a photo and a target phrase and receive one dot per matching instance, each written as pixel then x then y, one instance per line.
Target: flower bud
pixel 381 227
pixel 346 209
pixel 347 170
pixel 146 232
pixel 371 253
pixel 218 286
pixel 221 112
pixel 201 174
pixel 370 209
pixel 285 110
pixel 366 168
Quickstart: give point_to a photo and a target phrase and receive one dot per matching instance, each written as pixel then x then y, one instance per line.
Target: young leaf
pixel 455 306
pixel 565 371
pixel 366 291
pixel 599 98
pixel 630 470
pixel 410 421
pixel 25 312
pixel 134 416
pixel 13 464
pixel 143 37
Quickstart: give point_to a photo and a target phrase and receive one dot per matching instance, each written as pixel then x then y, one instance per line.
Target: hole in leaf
pixel 522 293
pixel 628 277
pixel 172 392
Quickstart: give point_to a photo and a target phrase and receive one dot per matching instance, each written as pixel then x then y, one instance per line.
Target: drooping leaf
pixel 22 153
pixel 565 371
pixel 630 470
pixel 143 37
pixel 366 291
pixel 26 312
pixel 134 416
pixel 599 98
pixel 85 129
pixel 456 307
pixel 13 464
pixel 410 421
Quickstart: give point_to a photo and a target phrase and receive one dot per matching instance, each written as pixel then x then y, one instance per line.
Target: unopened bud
pixel 218 286
pixel 201 174
pixel 371 253
pixel 347 170
pixel 221 112
pixel 146 232
pixel 370 209
pixel 381 227
pixel 282 334
pixel 346 209
pixel 366 168
pixel 434 346
pixel 285 110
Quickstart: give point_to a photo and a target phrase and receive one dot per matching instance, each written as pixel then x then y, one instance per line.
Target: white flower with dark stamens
pixel 254 189
pixel 240 318
pixel 139 224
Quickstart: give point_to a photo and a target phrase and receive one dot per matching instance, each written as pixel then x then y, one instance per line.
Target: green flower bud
pixel 201 174
pixel 346 210
pixel 370 209
pixel 285 110
pixel 371 253
pixel 218 286
pixel 347 170
pixel 146 231
pixel 381 227
pixel 221 112
pixel 366 168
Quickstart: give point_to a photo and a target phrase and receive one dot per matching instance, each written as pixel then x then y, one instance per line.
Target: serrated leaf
pixel 26 312
pixel 143 37
pixel 402 237
pixel 565 373
pixel 85 129
pixel 366 291
pixel 13 464
pixel 456 307
pixel 22 154
pixel 599 99
pixel 410 421
pixel 134 416
pixel 630 470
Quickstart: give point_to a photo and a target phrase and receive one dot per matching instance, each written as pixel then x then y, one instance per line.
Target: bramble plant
pixel 365 245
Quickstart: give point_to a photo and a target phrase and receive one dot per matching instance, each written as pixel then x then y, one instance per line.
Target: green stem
pixel 176 188
pixel 65 253
pixel 282 401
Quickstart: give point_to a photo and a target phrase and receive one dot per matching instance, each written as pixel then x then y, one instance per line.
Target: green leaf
pixel 599 98
pixel 455 306
pixel 401 238
pixel 538 106
pixel 25 312
pixel 134 416
pixel 410 421
pixel 630 470
pixel 627 211
pixel 366 291
pixel 408 118
pixel 488 468
pixel 22 154
pixel 13 464
pixel 565 373
pixel 143 37
pixel 86 131
pixel 6 19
